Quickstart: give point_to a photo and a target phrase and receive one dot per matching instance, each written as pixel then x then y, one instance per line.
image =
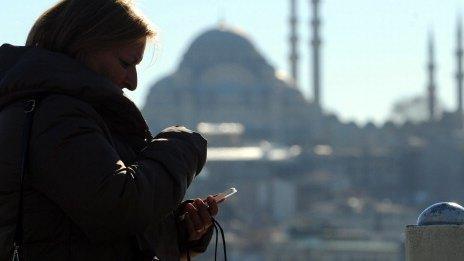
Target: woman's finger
pixel 213 207
pixel 194 217
pixel 192 233
pixel 203 213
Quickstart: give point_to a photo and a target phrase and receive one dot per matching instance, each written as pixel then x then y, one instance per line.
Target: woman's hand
pixel 198 217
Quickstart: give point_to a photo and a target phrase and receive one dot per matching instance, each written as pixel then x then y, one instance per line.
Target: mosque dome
pixel 224 46
pixel 222 77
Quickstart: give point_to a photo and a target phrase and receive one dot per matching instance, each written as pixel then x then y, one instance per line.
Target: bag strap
pixel 30 106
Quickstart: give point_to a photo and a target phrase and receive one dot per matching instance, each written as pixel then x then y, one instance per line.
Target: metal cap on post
pixel 438 235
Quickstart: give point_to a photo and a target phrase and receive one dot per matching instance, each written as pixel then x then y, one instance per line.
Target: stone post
pixel 438 234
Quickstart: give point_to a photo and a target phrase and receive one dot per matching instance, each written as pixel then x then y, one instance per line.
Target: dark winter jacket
pixel 98 186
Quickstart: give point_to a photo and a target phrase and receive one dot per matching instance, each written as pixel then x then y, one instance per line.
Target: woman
pixel 98 186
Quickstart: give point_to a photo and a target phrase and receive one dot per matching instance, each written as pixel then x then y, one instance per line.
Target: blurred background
pixel 337 121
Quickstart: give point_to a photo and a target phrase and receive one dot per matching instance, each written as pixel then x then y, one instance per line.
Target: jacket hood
pixel 27 71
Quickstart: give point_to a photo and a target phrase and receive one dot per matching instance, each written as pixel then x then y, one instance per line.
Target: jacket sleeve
pixel 75 165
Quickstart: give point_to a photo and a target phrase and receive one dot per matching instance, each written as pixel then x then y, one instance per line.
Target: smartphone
pixel 222 196
pixel 218 198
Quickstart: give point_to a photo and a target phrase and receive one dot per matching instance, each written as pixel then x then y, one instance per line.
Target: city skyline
pixel 373 54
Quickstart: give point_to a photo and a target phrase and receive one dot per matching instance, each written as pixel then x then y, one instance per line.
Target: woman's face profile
pixel 118 63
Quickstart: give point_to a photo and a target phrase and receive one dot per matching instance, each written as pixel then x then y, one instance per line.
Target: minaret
pixel 431 85
pixel 316 44
pixel 294 42
pixel 459 72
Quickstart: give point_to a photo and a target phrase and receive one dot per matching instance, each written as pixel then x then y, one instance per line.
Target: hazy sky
pixel 374 51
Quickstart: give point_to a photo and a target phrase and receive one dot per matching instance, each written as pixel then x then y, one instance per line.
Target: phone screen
pixel 222 196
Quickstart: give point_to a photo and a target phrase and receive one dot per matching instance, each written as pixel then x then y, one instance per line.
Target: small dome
pixel 443 213
pixel 223 46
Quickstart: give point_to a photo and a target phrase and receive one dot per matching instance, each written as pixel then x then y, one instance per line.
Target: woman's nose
pixel 131 79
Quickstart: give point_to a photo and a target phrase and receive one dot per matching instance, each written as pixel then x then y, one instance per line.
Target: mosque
pixel 224 85
pixel 225 88
pixel 223 81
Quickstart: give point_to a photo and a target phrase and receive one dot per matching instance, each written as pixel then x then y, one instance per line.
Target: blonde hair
pixel 76 26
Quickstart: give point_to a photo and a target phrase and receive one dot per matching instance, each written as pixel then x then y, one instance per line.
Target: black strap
pixel 29 109
pixel 216 226
pixel 216 232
